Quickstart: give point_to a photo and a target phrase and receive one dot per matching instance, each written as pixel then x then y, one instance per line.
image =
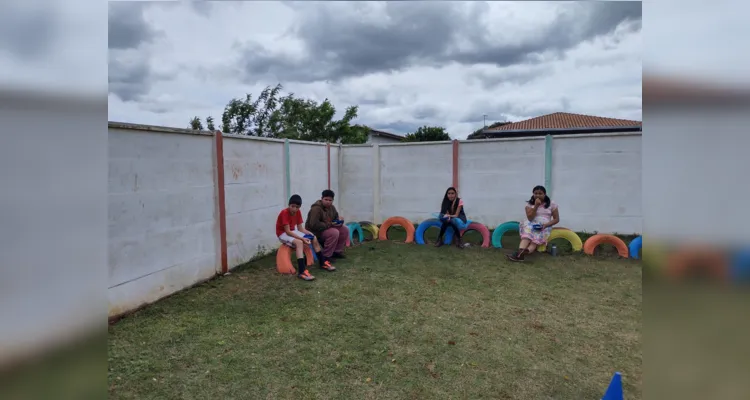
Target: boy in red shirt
pixel 291 232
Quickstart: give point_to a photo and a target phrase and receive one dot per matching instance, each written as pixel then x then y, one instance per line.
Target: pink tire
pixel 476 226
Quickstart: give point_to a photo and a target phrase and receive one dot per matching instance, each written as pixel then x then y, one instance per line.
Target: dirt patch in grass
pixel 394 322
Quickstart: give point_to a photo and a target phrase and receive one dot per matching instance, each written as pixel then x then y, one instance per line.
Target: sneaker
pixel 326 265
pixel 338 255
pixel 516 256
pixel 305 276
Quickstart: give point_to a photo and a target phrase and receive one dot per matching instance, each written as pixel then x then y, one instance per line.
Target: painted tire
pixel 635 247
pixel 422 229
pixel 741 265
pixel 680 262
pixel 593 242
pixel 502 229
pixel 482 229
pixel 401 221
pixel 564 233
pixel 284 259
pixel 354 227
pixel 369 227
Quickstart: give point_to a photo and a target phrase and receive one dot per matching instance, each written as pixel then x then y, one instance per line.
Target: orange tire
pixel 284 259
pixel 402 222
pixel 714 262
pixel 593 242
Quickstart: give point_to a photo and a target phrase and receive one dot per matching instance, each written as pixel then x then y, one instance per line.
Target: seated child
pixel 291 232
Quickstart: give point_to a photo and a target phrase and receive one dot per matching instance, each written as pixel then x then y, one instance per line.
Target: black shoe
pixel 517 256
pixel 338 255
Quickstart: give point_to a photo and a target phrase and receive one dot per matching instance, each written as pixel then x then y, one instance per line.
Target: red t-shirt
pixel 286 218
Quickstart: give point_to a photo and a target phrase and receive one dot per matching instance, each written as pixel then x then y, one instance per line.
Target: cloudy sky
pixel 406 64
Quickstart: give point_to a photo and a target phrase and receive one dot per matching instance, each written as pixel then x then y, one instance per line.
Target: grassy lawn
pixel 395 321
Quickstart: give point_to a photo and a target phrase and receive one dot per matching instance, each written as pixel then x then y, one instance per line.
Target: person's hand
pixel 306 241
pixel 537 202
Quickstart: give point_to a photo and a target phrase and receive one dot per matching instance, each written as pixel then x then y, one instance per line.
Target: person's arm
pixel 531 211
pixel 289 232
pixel 458 210
pixel 315 219
pixel 555 218
pixel 335 213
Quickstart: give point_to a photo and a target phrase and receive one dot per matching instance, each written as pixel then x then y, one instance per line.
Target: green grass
pixel 395 321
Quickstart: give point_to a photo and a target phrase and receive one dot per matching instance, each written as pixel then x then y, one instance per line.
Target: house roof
pixel 386 134
pixel 562 121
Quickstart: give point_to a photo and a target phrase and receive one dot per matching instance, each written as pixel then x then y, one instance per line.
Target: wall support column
pixel 548 164
pixel 287 173
pixel 375 184
pixel 220 200
pixel 455 164
pixel 328 153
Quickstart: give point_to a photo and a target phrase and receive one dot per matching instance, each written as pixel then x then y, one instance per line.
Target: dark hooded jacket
pixel 320 218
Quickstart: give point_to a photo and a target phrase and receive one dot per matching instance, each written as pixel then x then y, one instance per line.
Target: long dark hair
pixel 447 204
pixel 547 200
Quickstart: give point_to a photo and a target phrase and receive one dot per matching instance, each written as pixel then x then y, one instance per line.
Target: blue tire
pixel 423 227
pixel 635 247
pixel 355 227
pixel 502 229
pixel 741 266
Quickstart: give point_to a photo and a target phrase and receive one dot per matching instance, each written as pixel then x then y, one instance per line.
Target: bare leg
pixel 524 243
pixel 316 244
pixel 299 247
pixel 531 248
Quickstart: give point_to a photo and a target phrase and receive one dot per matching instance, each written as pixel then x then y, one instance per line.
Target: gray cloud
pixel 27 33
pixel 127 27
pixel 130 76
pixel 338 46
pixel 518 75
pixel 202 7
pixel 129 80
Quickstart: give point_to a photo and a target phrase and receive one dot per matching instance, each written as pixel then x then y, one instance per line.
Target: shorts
pixel 289 240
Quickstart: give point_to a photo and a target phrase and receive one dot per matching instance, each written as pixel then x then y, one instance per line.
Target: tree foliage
pixel 477 134
pixel 428 134
pixel 273 116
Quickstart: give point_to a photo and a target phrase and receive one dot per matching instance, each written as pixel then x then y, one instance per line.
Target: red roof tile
pixel 561 120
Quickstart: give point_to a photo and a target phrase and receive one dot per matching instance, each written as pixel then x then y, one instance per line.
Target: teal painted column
pixel 287 172
pixel 548 164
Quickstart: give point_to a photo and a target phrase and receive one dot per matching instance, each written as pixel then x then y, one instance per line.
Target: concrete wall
pixel 163 213
pixel 595 179
pixel 496 177
pixel 357 183
pixel 414 178
pixel 254 195
pixel 162 226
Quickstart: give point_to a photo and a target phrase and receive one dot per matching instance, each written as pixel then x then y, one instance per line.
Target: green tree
pixel 428 134
pixel 196 124
pixel 477 134
pixel 291 117
pixel 210 124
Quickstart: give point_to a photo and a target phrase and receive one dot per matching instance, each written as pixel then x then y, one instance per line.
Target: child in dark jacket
pixel 451 210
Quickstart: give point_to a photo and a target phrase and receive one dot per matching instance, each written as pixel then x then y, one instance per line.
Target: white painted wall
pixel 414 178
pixel 162 228
pixel 254 194
pixel 496 177
pixel 309 172
pixel 357 183
pixel 596 181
